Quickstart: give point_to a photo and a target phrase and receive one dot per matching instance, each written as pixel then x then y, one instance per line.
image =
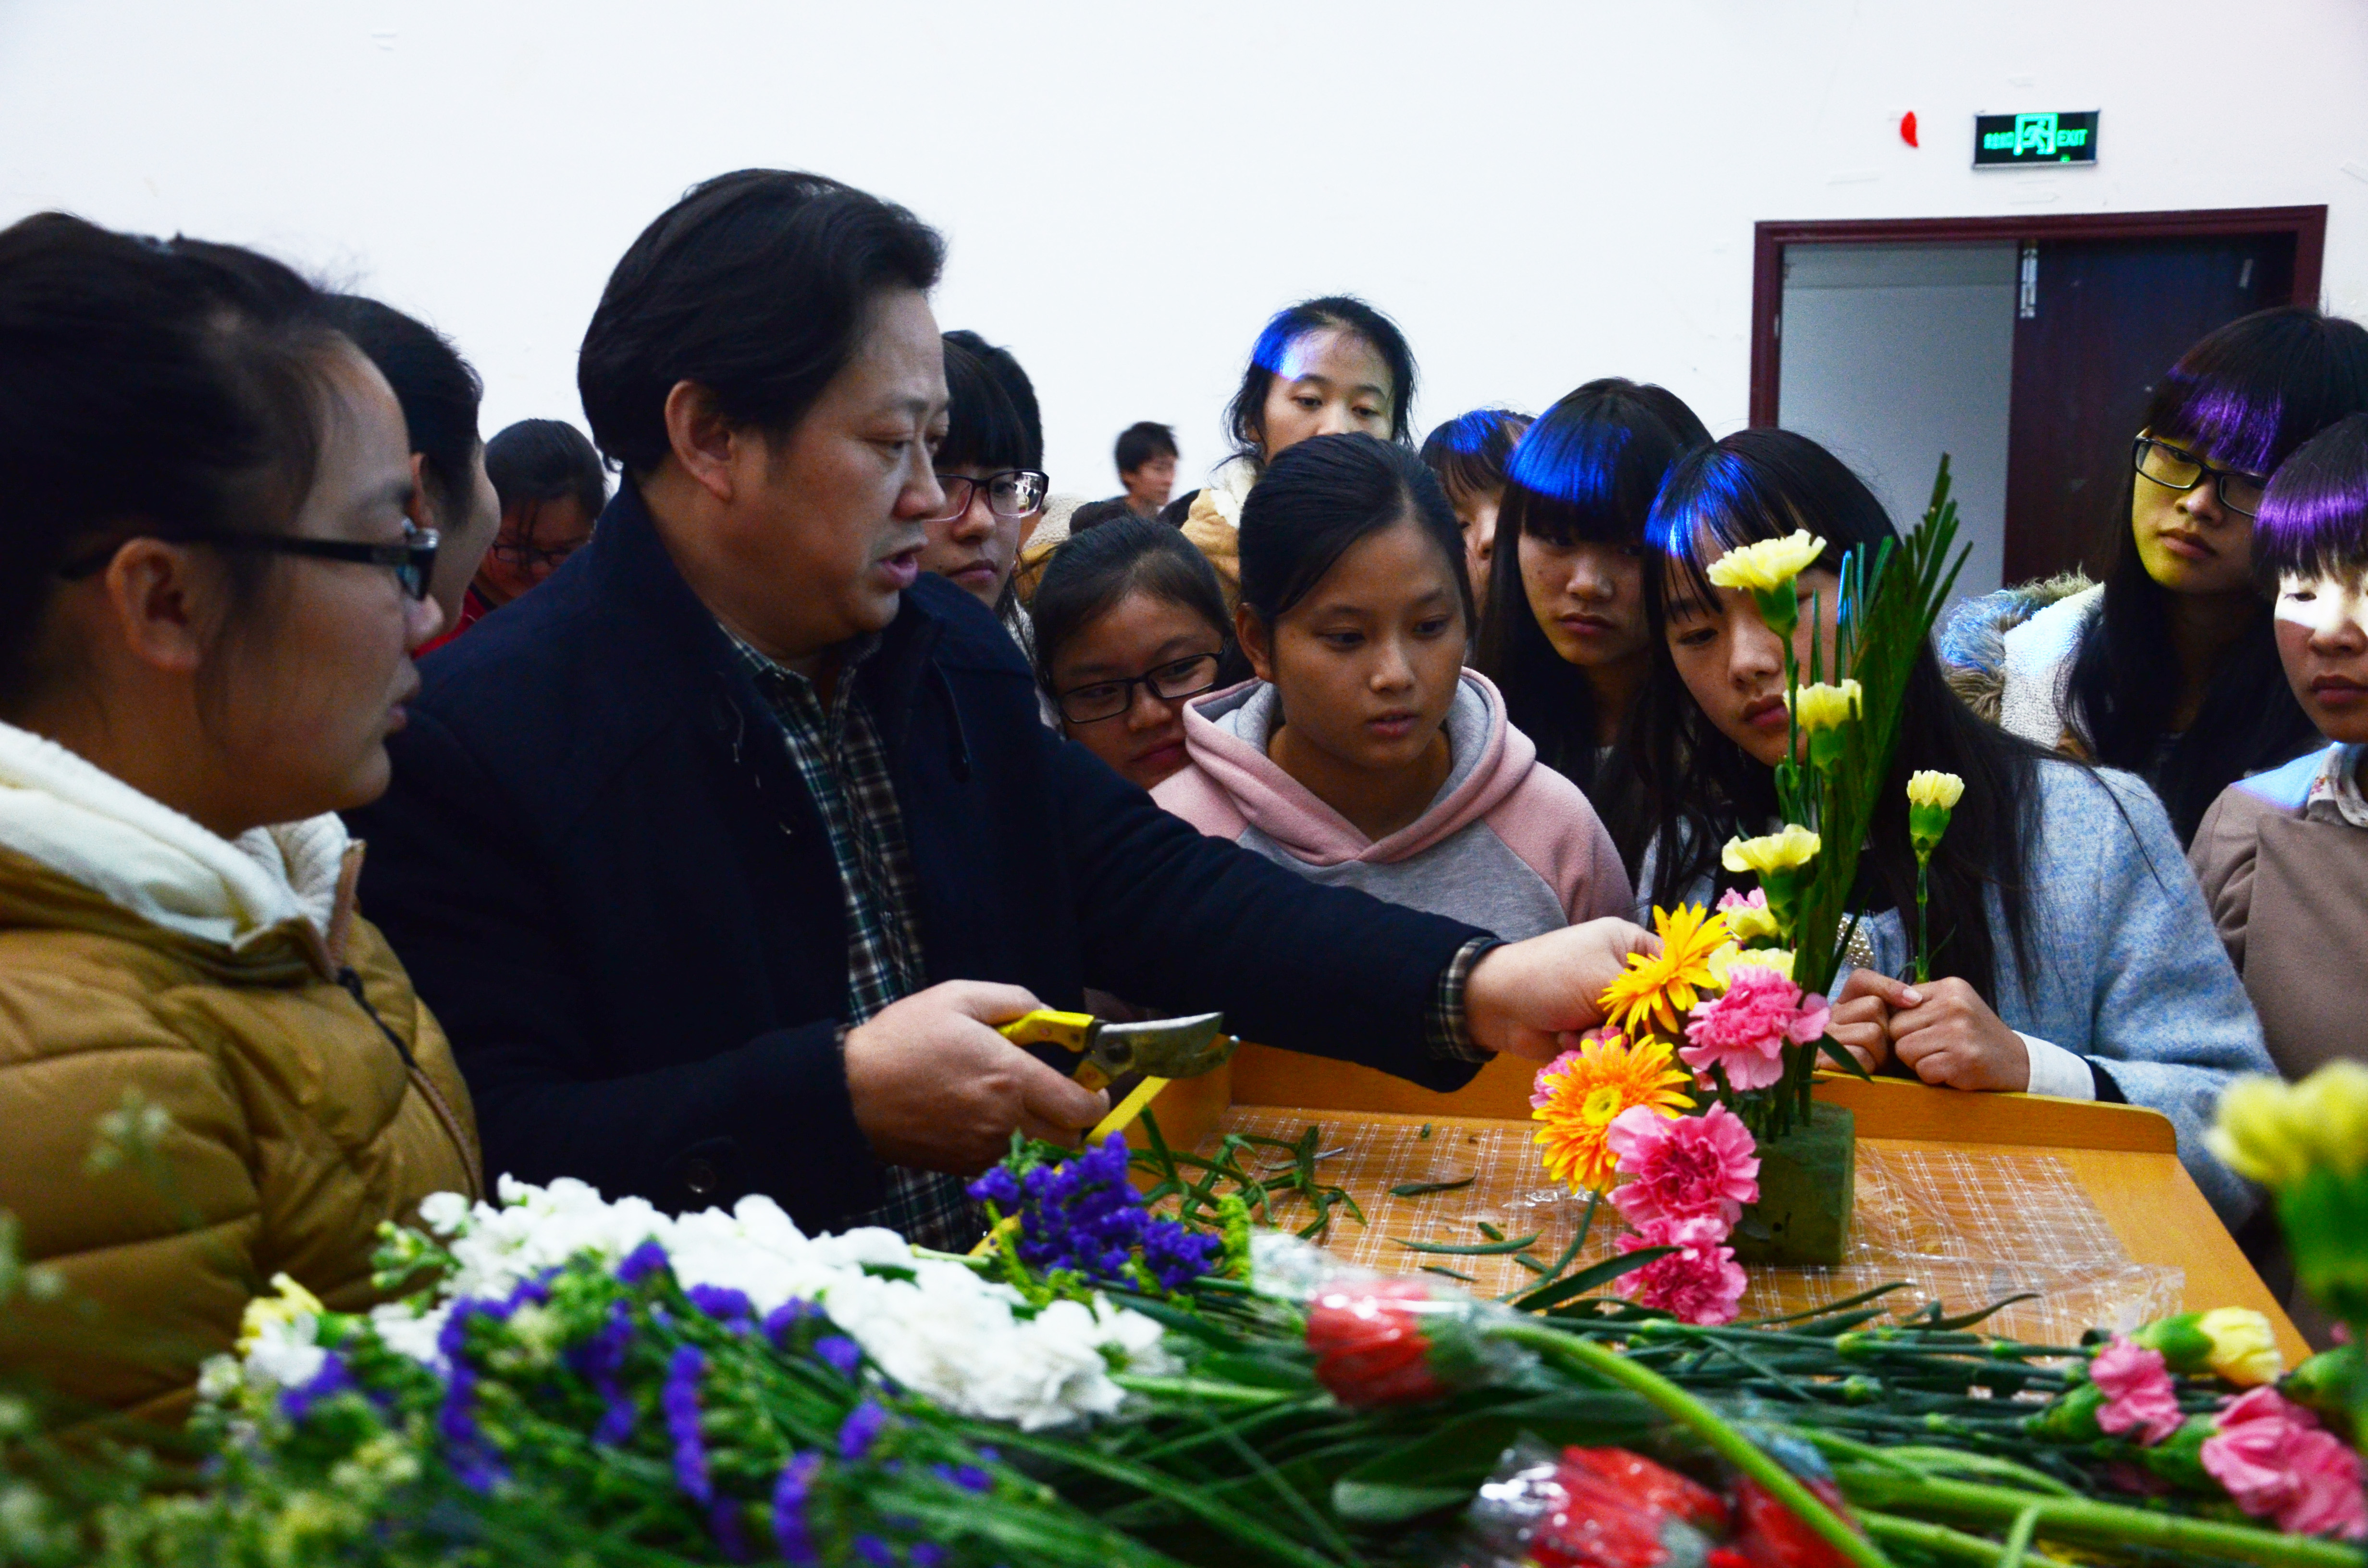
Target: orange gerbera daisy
pixel 1656 990
pixel 1579 1094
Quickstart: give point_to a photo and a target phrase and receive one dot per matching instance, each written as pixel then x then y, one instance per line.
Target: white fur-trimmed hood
pixel 88 826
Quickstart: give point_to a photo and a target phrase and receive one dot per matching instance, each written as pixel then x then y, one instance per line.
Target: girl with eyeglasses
pixel 209 590
pixel 1365 755
pixel 1131 623
pixel 1321 367
pixel 991 466
pixel 2169 667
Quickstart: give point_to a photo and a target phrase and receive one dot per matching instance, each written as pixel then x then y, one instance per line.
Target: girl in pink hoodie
pixel 1365 755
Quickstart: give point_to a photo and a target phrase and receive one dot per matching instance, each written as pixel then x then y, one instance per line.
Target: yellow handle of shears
pixel 1072 1031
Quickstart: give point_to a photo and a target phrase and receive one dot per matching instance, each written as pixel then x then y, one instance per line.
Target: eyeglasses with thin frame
pixel 1013 492
pixel 2174 468
pixel 412 562
pixel 1171 682
pixel 527 557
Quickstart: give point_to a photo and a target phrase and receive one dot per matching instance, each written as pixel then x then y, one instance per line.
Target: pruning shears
pixel 1161 1048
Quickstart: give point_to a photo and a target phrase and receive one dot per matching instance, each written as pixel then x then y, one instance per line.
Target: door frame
pixel 2307 224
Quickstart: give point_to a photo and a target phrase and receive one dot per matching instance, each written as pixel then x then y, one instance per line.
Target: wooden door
pixel 2098 322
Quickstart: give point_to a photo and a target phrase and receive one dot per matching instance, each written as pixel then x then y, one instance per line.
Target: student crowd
pixel 713 838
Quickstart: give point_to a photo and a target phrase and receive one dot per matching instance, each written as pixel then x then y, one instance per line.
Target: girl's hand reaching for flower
pixel 1945 1033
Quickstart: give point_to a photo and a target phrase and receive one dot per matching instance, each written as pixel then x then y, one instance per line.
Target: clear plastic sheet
pixel 1966 1227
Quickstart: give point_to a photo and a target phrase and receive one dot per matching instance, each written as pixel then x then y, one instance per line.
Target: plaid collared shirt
pixel 837 749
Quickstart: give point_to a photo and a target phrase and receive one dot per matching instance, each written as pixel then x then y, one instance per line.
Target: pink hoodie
pixel 1510 845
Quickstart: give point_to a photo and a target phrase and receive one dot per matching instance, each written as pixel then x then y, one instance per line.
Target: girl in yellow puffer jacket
pixel 209 590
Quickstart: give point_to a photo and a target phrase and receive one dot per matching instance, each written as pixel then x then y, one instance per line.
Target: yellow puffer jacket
pixel 310 1093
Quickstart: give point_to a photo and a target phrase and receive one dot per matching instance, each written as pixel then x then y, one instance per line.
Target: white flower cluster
pixel 968 1343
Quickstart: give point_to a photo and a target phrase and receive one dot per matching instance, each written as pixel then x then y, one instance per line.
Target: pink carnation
pixel 1736 898
pixel 2137 1390
pixel 2279 1464
pixel 1745 1030
pixel 1701 1282
pixel 1679 1167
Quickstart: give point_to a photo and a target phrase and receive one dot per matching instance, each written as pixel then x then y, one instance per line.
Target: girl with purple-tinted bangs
pixel 2283 856
pixel 2169 669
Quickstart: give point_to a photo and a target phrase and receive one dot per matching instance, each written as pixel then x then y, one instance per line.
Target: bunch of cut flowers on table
pixel 599 1383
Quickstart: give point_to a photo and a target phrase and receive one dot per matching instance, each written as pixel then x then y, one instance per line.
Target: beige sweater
pixel 2287 882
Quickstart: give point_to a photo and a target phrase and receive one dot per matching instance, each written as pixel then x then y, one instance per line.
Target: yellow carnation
pixel 2276 1133
pixel 1790 850
pixel 1929 789
pixel 1728 957
pixel 1767 565
pixel 1749 922
pixel 1826 707
pixel 2243 1347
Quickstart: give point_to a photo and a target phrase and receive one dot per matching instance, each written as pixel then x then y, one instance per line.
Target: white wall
pixel 1895 354
pixel 1542 192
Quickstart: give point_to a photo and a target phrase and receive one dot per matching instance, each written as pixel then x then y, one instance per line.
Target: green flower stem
pixel 1201 1389
pixel 1923 919
pixel 1939 1540
pixel 1585 1355
pixel 1226 1521
pixel 2018 1539
pixel 2088 1521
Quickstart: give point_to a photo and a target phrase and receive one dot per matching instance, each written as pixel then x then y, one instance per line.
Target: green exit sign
pixel 2017 141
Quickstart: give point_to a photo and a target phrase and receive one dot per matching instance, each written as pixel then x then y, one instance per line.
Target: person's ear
pixel 707 445
pixel 164 601
pixel 1257 646
pixel 418 509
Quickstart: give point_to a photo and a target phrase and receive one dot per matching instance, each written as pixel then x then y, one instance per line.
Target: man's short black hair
pixel 1142 441
pixel 754 285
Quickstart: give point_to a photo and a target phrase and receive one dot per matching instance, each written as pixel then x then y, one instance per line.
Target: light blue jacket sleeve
pixel 2126 964
pixel 2159 1005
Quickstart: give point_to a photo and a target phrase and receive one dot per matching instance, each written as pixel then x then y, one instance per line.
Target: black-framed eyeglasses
pixel 1013 493
pixel 2175 468
pixel 1171 682
pixel 413 561
pixel 527 557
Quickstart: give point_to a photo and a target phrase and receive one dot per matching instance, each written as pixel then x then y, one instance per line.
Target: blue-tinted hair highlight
pixel 2313 519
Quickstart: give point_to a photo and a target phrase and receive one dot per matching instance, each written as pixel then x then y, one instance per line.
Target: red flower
pixel 1654 1486
pixel 1774 1537
pixel 1370 1344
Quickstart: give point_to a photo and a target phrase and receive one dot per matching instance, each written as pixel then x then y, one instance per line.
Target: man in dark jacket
pixel 718 854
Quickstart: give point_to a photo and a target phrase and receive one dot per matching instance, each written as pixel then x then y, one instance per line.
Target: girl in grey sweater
pixel 2075 954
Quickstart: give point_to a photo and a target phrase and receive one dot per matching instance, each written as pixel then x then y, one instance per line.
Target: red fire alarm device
pixel 1907 129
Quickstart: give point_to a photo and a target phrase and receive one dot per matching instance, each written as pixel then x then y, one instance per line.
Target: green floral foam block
pixel 1808 1184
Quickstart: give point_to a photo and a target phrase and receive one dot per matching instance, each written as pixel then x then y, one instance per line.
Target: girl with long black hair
pixel 2076 955
pixel 1564 634
pixel 2170 669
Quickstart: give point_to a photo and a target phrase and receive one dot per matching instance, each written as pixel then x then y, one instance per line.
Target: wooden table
pixel 2123 1157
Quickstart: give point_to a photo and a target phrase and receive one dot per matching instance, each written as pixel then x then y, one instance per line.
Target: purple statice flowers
pixel 793 1531
pixel 680 1400
pixel 1085 1216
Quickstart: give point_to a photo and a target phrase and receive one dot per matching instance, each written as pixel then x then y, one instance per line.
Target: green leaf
pixel 1475 1249
pixel 1418 1189
pixel 1836 1049
pixel 1586 1279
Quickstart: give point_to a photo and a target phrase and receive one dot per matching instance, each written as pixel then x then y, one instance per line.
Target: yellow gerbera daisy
pixel 1655 991
pixel 1580 1093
